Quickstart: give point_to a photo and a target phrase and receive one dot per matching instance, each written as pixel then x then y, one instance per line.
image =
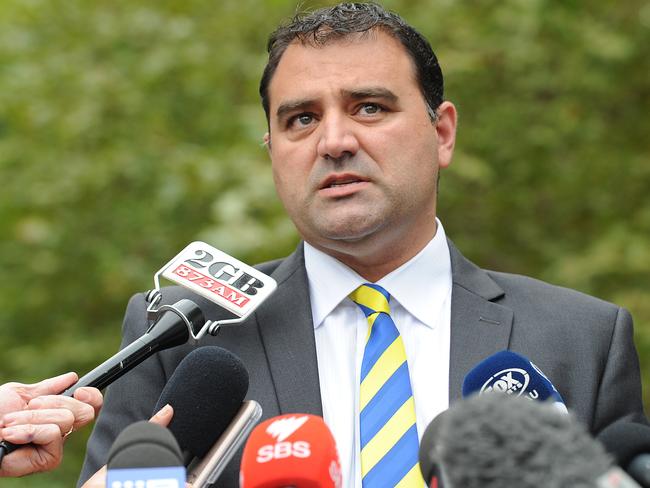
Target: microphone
pixel 206 391
pixel 145 454
pixel 496 441
pixel 206 472
pixel 293 450
pixel 510 373
pixel 170 330
pixel 629 443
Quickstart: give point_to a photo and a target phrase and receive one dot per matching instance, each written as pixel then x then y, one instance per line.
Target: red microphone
pixel 296 450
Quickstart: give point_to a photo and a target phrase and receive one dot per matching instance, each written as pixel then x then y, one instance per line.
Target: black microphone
pixel 629 443
pixel 206 391
pixel 497 441
pixel 145 454
pixel 170 330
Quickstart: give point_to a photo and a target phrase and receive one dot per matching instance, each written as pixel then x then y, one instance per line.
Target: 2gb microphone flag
pixel 222 279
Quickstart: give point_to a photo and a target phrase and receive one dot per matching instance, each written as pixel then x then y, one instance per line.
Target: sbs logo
pixel 283 428
pixel 280 430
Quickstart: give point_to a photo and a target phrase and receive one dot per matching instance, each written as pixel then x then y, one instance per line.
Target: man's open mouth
pixel 335 181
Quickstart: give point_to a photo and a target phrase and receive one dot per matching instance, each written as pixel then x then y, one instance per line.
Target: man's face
pixel 354 152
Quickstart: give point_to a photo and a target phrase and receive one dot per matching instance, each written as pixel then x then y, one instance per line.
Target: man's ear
pixel 267 140
pixel 446 131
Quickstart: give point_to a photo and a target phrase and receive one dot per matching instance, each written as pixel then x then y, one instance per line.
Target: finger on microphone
pixel 61 417
pixel 91 396
pixel 50 386
pixel 83 413
pixel 46 456
pixel 163 416
pixel 98 480
pixel 32 433
pixel 22 392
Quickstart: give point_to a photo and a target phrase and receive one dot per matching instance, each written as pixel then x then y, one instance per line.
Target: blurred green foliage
pixel 129 128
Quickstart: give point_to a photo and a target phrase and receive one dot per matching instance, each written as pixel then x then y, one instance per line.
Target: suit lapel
pixel 287 333
pixel 479 327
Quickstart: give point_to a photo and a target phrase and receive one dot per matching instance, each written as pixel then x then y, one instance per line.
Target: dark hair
pixel 326 24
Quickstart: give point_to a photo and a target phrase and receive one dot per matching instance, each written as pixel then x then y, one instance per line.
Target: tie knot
pixel 371 298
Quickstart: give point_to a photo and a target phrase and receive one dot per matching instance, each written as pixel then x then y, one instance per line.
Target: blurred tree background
pixel 130 128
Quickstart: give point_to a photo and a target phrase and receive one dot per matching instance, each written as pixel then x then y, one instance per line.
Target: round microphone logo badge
pixel 511 381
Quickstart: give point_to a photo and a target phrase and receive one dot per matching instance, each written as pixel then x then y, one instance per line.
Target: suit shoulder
pixel 552 298
pixel 269 267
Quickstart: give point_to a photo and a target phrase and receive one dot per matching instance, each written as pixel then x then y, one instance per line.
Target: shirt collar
pixel 421 282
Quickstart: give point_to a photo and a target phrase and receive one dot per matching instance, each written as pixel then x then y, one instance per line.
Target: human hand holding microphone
pixel 36 417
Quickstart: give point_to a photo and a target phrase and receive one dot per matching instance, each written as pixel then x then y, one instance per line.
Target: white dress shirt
pixel 420 306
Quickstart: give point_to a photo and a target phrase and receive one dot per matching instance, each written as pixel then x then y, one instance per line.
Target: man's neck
pixel 373 261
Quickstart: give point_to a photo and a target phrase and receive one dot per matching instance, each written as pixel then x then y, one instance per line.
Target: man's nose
pixel 337 137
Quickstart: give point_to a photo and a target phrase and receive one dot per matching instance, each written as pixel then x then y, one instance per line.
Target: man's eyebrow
pixel 357 94
pixel 293 106
pixel 370 92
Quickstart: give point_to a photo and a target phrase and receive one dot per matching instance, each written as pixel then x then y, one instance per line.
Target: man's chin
pixel 348 232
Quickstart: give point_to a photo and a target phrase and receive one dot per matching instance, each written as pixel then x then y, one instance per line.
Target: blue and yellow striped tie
pixel 389 437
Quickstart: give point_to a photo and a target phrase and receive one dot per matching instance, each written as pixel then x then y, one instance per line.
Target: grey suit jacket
pixel 584 346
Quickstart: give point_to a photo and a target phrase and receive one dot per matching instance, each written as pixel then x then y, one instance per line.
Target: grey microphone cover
pixel 144 445
pixel 501 441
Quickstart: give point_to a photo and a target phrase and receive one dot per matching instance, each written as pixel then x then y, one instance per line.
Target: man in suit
pixel 358 132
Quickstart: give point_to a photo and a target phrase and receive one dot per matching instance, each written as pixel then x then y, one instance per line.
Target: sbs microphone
pixel 170 330
pixel 629 443
pixel 206 391
pixel 510 373
pixel 146 455
pixel 499 441
pixel 293 450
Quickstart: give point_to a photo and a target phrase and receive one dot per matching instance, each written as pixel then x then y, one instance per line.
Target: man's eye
pixel 301 120
pixel 369 109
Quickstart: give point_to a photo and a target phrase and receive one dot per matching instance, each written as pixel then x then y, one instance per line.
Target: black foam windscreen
pixel 144 445
pixel 625 441
pixel 497 441
pixel 206 391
